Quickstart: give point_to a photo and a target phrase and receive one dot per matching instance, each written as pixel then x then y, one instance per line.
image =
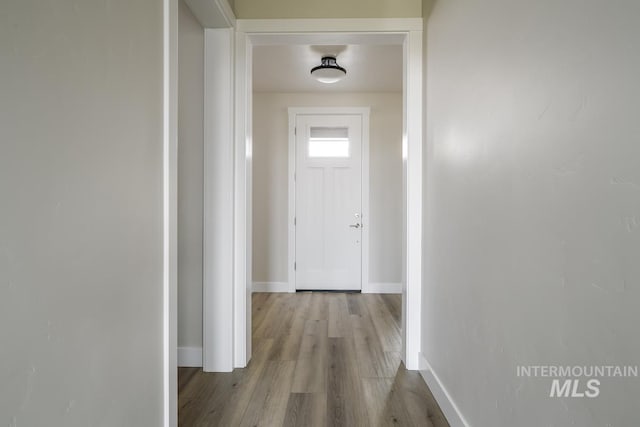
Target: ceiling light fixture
pixel 328 71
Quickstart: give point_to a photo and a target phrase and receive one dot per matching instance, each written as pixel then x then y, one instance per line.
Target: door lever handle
pixel 355 225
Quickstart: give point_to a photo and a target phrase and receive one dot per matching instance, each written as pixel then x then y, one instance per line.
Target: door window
pixel 328 142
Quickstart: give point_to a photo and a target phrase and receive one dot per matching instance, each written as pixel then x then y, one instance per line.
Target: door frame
pixel 364 113
pixel 169 213
pixel 406 32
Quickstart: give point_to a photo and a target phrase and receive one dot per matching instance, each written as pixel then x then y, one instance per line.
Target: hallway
pixel 319 359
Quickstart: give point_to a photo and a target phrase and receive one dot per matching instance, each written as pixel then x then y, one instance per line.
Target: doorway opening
pixel 250 36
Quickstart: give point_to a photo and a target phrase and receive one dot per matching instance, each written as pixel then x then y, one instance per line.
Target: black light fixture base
pixel 328 62
pixel 328 71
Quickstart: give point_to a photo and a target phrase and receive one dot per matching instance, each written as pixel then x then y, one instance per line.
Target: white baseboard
pixel 270 287
pixel 371 288
pixel 448 406
pixel 382 288
pixel 190 357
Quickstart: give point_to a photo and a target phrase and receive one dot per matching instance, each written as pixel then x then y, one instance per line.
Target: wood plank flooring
pixel 319 359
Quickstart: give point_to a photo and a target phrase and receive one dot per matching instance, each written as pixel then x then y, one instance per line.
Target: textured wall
pixel 270 191
pixel 190 177
pixel 533 205
pixel 274 9
pixel 81 213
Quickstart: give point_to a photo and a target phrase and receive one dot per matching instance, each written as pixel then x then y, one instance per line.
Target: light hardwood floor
pixel 319 359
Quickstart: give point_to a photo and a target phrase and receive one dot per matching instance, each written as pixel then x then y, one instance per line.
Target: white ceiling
pixel 286 68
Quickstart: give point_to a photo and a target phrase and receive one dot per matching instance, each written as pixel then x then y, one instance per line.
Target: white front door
pixel 328 202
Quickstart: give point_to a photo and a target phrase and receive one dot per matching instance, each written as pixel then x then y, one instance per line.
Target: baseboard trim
pixel 190 357
pixel 382 288
pixel 270 287
pixel 371 288
pixel 447 405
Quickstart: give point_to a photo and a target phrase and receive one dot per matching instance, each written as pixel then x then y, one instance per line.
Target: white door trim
pixel 213 13
pixel 242 249
pixel 364 113
pixel 170 214
pixel 296 31
pixel 227 279
pixel 412 192
pixel 226 341
pixel 218 239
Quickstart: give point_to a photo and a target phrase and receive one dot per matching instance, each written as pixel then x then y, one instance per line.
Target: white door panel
pixel 328 202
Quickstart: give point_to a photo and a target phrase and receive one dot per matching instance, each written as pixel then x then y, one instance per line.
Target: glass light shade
pixel 329 71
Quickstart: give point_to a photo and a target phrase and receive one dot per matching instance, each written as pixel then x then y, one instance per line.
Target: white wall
pixel 270 191
pixel 533 205
pixel 81 295
pixel 190 177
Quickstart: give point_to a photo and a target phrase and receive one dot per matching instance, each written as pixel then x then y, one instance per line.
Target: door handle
pixel 355 225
